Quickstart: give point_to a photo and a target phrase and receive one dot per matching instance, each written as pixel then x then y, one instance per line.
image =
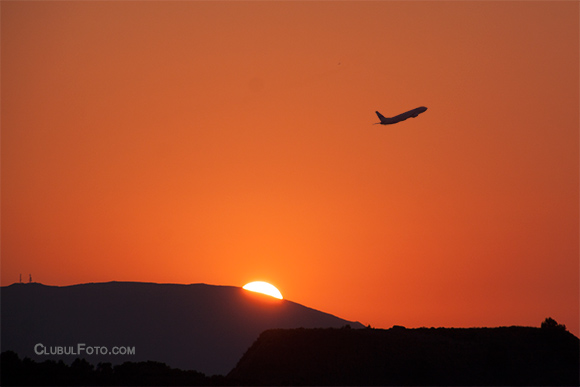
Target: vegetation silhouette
pixel 550 323
pixel 27 372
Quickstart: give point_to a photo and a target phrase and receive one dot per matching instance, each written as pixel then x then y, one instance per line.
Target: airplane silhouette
pixel 401 117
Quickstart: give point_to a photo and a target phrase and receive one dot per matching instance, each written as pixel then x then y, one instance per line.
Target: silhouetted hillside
pixel 399 356
pixel 192 327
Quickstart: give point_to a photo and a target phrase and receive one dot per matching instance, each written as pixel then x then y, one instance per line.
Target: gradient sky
pixel 228 142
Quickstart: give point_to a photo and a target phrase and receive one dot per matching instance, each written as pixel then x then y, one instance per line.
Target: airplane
pixel 401 117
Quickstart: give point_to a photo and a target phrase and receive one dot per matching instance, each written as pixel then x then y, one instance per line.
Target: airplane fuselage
pixel 401 117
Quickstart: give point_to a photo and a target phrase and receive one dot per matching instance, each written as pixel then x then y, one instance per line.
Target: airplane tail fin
pixel 381 117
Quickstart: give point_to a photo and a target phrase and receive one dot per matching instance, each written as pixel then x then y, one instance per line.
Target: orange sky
pixel 223 143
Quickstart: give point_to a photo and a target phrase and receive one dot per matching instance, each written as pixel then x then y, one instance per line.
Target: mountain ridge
pixel 200 327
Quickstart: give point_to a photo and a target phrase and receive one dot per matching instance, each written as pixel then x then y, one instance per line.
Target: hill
pixel 399 356
pixel 191 327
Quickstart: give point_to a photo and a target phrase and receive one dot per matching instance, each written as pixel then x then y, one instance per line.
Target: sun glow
pixel 264 288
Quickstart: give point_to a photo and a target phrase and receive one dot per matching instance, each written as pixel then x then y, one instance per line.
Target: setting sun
pixel 264 288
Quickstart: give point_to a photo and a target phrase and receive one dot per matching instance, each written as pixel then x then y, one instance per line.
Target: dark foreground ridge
pixel 514 356
pixel 399 356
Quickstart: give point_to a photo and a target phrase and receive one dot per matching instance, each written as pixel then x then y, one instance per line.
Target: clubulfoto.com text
pixel 82 349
